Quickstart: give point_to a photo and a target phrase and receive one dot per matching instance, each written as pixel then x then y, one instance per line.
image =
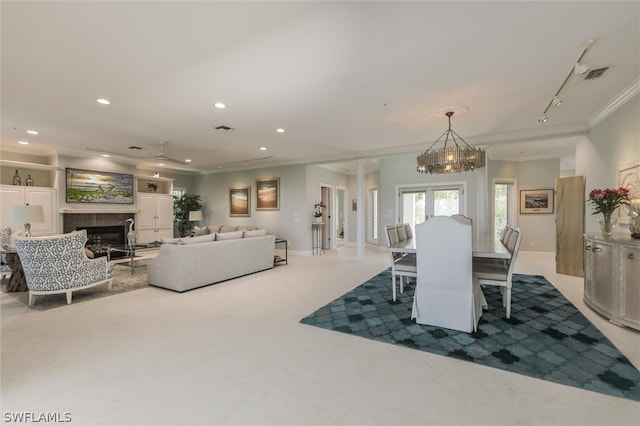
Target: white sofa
pixel 188 263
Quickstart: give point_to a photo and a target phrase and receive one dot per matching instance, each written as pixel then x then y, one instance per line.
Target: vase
pixel 607 224
pixel 317 219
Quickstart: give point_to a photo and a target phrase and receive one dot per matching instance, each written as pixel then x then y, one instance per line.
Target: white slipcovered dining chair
pixel 501 274
pixel 446 295
pixel 58 264
pixel 401 266
pixel 462 219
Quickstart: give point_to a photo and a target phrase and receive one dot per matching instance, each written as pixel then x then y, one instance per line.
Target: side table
pixel 316 237
pixel 278 259
pixel 17 281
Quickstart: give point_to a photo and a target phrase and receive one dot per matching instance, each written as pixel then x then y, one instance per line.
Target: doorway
pixel 328 230
pixel 341 216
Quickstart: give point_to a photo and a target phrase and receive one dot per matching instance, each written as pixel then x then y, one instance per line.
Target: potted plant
pixel 181 207
pixel 317 211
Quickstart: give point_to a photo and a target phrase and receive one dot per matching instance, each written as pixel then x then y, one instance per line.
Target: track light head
pixel 543 119
pixel 557 101
pixel 580 69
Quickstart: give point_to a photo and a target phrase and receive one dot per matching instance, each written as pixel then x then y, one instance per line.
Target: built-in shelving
pixel 43 175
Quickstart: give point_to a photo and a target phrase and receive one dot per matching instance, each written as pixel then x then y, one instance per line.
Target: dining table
pixel 482 248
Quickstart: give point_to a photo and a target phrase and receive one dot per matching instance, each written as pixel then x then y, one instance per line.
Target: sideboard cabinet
pixel 612 277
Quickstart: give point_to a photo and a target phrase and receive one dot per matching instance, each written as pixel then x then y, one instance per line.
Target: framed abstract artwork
pixel 240 201
pixel 536 201
pixel 268 194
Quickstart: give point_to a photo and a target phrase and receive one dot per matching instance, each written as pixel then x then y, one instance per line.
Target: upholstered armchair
pixel 58 264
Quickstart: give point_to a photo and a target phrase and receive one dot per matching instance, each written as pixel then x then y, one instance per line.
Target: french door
pixel 416 204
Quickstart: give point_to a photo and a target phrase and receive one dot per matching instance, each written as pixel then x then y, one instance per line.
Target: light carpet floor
pixel 235 353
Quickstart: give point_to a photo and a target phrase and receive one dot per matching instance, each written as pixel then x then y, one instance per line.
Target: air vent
pixel 134 147
pixel 224 128
pixel 595 73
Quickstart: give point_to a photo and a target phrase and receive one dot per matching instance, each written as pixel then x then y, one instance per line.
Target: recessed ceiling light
pixel 187 160
pixel 280 130
pixel 23 142
pixel 103 101
pixel 263 148
pixel 32 132
pixel 219 105
pixel 106 155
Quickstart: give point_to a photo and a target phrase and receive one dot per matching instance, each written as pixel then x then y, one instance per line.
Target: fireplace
pixel 99 238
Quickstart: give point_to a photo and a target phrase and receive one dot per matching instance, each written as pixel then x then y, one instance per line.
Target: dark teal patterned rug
pixel 546 336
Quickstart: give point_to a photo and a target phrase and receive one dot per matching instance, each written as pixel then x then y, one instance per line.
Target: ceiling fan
pixel 161 155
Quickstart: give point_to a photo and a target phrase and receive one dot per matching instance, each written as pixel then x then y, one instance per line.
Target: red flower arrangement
pixel 606 201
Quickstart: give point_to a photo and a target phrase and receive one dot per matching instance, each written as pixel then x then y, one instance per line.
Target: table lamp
pixel 27 214
pixel 195 216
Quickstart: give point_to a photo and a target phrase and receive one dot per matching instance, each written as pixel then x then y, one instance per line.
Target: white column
pixel 360 214
pixel 483 228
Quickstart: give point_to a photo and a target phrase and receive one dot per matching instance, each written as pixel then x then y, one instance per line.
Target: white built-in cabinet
pixel 43 193
pixel 155 204
pixel 11 196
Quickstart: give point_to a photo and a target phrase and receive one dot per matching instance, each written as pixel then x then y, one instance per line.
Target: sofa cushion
pixel 197 231
pixel 235 235
pixel 169 240
pixel 196 240
pixel 254 233
pixel 226 228
pixel 214 228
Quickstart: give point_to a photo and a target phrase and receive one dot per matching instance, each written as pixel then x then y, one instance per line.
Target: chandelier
pixel 456 158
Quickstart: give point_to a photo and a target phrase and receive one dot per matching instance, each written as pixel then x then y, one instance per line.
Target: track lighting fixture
pixel 578 69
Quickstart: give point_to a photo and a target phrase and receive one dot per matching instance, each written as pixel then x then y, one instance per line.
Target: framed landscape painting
pixel 536 201
pixel 88 186
pixel 240 201
pixel 268 194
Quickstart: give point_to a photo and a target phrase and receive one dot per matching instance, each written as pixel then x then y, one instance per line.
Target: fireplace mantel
pixel 68 210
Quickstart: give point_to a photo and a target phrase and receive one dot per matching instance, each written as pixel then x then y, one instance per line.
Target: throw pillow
pixel 225 228
pixel 256 233
pixel 197 231
pixel 88 253
pixel 235 235
pixel 200 239
pixel 213 228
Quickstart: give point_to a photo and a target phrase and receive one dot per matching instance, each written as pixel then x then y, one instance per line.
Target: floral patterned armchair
pixel 58 264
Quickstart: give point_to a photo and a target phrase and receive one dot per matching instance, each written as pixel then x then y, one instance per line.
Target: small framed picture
pixel 536 201
pixel 240 201
pixel 354 204
pixel 268 194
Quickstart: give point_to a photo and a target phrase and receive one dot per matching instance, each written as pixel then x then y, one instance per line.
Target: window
pixel 373 214
pixel 504 204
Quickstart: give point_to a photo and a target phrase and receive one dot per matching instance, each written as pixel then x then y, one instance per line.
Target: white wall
pixel 538 230
pixel 611 145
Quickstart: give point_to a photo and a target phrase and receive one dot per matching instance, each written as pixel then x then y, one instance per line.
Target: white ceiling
pixel 346 80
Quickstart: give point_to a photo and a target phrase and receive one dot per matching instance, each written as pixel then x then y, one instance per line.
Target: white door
pixel 419 203
pixel 10 196
pixel 47 198
pixel 164 211
pixel 146 219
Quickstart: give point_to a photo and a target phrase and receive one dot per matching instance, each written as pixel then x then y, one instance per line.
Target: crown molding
pixel 632 90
